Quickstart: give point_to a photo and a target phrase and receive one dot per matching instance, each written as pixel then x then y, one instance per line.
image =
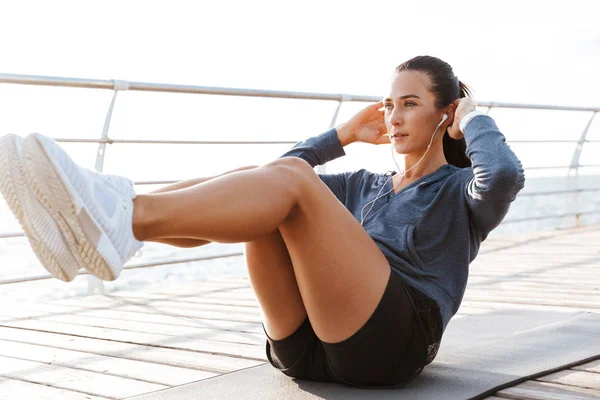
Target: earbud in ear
pixel 444 117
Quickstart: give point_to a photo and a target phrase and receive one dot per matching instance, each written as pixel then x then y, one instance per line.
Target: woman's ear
pixel 450 110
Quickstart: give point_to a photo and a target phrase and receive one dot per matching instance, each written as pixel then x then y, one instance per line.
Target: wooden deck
pixel 129 343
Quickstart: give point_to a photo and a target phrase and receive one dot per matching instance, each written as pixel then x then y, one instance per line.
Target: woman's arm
pixel 367 126
pixel 318 150
pixel 496 175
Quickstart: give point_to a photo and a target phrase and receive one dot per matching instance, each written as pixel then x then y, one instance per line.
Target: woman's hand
pixel 464 106
pixel 366 126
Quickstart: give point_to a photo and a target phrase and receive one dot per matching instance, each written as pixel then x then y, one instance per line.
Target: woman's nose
pixel 396 118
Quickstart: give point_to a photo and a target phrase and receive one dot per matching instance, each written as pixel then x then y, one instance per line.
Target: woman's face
pixel 410 113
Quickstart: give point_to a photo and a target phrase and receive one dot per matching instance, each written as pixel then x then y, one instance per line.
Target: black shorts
pixel 389 350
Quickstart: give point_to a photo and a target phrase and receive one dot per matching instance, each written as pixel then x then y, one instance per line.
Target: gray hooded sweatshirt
pixel 431 230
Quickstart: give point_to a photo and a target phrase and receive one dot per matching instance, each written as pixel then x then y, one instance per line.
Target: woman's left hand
pixel 464 106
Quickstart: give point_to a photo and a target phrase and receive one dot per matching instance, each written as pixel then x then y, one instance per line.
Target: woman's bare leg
pixel 190 242
pixel 272 278
pixel 237 207
pixel 340 272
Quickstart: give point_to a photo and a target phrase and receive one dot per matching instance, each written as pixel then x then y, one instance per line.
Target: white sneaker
pixel 93 211
pixel 40 229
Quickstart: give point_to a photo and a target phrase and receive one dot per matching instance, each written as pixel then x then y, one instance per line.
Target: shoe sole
pixel 43 234
pixel 53 189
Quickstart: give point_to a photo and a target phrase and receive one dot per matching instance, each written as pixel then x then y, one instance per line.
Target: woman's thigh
pixel 340 271
pixel 388 350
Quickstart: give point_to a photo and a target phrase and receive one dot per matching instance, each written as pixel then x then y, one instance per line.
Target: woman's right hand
pixel 366 126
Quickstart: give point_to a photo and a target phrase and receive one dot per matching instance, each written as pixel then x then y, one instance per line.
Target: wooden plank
pixel 506 305
pixel 533 286
pixel 593 366
pixel 139 370
pixel 14 389
pixel 566 275
pixel 110 302
pixel 173 357
pixel 256 352
pixel 91 383
pixel 208 284
pixel 201 287
pixel 144 327
pixel 524 268
pixel 532 390
pixel 539 255
pixel 126 295
pixel 41 310
pixel 472 310
pixel 525 295
pixel 173 310
pixel 589 380
pixel 498 277
pixel 476 282
pixel 534 300
pixel 592 299
pixel 247 293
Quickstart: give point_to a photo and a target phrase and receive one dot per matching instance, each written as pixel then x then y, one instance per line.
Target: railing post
pixel 572 181
pixel 94 282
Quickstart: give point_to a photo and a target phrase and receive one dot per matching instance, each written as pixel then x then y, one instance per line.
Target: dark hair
pixel 446 88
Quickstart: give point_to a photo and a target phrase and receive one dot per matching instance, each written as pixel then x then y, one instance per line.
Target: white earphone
pixel 444 117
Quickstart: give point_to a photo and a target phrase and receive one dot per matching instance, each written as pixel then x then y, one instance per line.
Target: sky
pixel 540 52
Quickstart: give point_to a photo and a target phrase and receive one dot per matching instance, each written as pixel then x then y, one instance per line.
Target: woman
pixel 347 295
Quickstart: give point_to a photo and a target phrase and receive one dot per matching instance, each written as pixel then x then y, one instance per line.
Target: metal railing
pixel 120 85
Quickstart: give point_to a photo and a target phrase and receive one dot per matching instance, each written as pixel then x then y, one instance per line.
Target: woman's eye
pixel 409 103
pixel 389 106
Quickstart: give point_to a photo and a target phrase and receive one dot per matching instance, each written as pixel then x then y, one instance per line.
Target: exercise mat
pixel 479 354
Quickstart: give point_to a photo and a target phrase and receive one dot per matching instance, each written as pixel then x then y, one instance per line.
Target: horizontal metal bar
pixel 141 183
pixel 11 235
pixel 565 166
pixel 559 192
pixel 182 260
pixel 149 141
pixel 142 141
pixel 526 168
pixel 535 106
pixel 134 266
pixel 172 88
pixel 552 141
pixel 550 216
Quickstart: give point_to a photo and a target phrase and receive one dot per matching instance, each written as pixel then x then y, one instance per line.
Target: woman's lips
pixel 398 136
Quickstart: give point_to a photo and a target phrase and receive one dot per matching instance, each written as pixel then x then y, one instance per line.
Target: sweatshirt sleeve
pixel 318 150
pixel 496 175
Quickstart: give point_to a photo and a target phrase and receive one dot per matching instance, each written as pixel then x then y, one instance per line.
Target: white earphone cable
pixel 401 172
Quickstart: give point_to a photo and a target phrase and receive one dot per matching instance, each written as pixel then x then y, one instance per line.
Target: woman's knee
pixel 294 167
